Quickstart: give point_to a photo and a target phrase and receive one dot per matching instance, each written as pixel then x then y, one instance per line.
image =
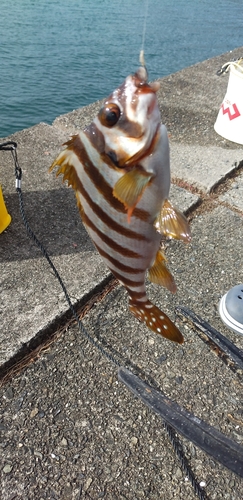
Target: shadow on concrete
pixel 54 218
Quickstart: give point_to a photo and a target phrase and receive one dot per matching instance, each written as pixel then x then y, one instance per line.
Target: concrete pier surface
pixel 69 429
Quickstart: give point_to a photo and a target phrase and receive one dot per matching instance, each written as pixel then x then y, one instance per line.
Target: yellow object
pixel 5 218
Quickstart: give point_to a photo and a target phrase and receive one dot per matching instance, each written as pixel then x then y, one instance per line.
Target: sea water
pixel 56 56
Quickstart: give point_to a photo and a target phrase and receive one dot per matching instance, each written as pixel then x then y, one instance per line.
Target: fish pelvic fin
pixel 130 187
pixel 173 223
pixel 160 274
pixel 156 320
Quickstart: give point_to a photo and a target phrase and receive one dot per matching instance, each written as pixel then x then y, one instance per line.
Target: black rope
pixel 18 174
pixel 8 146
pixel 176 444
pixel 12 146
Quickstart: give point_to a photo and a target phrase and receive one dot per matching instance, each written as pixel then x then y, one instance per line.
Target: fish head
pixel 129 120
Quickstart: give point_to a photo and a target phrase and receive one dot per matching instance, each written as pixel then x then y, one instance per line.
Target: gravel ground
pixel 71 431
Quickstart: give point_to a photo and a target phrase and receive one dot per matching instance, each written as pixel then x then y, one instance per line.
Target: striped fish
pixel 119 168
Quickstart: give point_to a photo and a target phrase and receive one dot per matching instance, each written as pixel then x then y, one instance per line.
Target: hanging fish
pixel 119 167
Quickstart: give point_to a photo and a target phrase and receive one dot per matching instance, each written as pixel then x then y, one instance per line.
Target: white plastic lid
pixel 231 309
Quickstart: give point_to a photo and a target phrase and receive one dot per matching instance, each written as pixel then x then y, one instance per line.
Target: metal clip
pixel 225 67
pixel 18 183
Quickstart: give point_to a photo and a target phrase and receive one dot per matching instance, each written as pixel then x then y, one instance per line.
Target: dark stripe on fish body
pixel 95 176
pixel 132 129
pixel 127 282
pixel 111 243
pixel 96 138
pixel 136 295
pixel 111 223
pixel 122 267
pixel 98 180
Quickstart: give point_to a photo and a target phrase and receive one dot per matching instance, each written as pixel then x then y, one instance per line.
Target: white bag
pixel 229 123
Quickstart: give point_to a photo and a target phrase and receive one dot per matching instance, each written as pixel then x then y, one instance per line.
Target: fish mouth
pixel 137 157
pixel 141 82
pixel 145 151
pixel 141 75
pixel 121 158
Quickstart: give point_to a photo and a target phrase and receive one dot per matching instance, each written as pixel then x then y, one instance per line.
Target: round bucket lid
pixel 231 309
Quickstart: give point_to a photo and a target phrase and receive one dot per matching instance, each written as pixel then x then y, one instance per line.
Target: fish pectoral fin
pixel 160 274
pixel 130 187
pixel 173 223
pixel 156 320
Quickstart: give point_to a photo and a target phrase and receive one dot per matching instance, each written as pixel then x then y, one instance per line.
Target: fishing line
pixel 141 55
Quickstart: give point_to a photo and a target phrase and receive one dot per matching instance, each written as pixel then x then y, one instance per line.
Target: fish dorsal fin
pixel 156 320
pixel 130 187
pixel 160 274
pixel 173 223
pixel 65 163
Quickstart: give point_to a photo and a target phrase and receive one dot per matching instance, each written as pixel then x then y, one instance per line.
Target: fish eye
pixel 109 115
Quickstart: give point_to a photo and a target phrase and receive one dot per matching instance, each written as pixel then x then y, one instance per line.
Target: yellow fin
pixel 156 320
pixel 160 274
pixel 130 187
pixel 80 207
pixel 64 162
pixel 173 223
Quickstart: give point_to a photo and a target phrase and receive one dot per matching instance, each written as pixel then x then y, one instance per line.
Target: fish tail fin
pixel 155 319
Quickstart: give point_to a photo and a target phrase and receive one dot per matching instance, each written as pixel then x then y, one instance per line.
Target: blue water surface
pixel 56 56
